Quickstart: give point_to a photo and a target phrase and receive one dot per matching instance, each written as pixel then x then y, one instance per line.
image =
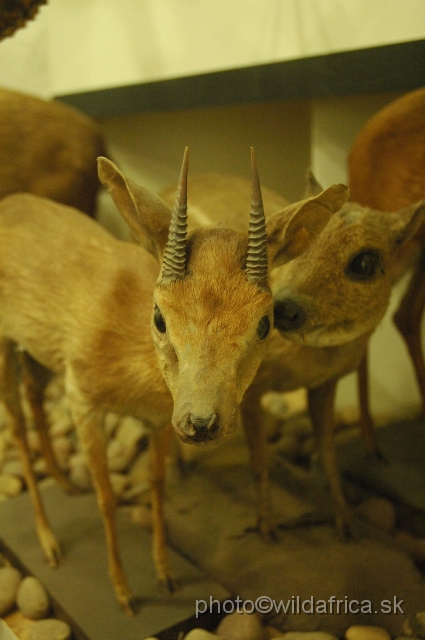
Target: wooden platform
pixel 81 587
pixel 210 515
pixel 400 475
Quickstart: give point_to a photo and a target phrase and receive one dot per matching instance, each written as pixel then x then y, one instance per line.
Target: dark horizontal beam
pixel 395 67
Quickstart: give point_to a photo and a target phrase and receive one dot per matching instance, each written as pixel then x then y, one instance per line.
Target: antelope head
pixel 333 284
pixel 212 307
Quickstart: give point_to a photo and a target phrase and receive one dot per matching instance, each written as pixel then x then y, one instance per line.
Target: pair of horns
pixel 174 262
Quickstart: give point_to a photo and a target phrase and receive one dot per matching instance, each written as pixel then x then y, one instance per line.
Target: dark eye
pixel 364 265
pixel 159 321
pixel 263 328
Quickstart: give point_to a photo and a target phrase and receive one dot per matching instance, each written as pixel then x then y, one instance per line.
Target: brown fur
pixel 387 171
pixel 79 302
pixel 317 238
pixel 48 149
pixel 340 315
pixel 221 317
pixel 387 160
pixel 339 308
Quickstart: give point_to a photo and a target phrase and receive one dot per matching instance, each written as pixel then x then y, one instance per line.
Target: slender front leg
pixel 321 408
pixel 9 384
pixel 366 425
pixel 90 430
pixel 35 379
pixel 158 447
pixel 252 417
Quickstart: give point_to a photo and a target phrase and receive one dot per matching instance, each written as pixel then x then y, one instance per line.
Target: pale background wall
pixel 79 45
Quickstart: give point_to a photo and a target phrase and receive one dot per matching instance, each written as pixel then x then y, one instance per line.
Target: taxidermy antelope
pixel 172 331
pixel 49 149
pixel 386 170
pixel 331 282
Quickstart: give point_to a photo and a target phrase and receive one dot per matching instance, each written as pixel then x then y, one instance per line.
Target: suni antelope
pixel 171 331
pixel 386 170
pixel 331 283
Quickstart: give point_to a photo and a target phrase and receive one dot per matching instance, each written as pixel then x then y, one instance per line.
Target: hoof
pixel 168 585
pixel 376 455
pixel 128 604
pixel 51 550
pixel 379 455
pixel 267 532
pixel 345 527
pixel 53 558
pixel 129 607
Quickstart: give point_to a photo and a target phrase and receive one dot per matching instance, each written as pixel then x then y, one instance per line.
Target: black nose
pixel 288 315
pixel 202 429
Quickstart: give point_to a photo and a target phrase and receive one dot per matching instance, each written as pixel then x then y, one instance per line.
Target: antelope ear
pixel 406 222
pixel 290 232
pixel 313 187
pixel 146 214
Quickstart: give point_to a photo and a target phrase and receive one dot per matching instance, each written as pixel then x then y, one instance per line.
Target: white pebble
pixel 81 477
pixel 10 486
pixel 366 632
pixel 13 468
pixel 201 634
pixel 9 583
pixel 119 483
pixel 115 448
pixel 76 459
pixel 61 423
pixel 40 467
pixel 242 626
pixel 33 439
pixel 308 635
pixel 123 447
pixel 62 447
pixel 142 516
pixel 32 598
pixel 139 471
pixel 50 629
pixel 111 423
pixel 119 458
pixel 131 431
pixel 420 621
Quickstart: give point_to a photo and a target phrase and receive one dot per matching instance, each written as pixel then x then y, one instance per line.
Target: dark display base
pixel 81 587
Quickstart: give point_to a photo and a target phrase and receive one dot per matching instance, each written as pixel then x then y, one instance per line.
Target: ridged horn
pixel 256 266
pixel 174 261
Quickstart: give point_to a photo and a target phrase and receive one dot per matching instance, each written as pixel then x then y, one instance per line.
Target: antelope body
pixel 328 300
pixel 331 284
pixel 48 149
pixel 386 171
pixel 172 331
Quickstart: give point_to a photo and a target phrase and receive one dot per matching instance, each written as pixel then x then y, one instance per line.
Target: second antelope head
pixel 336 288
pixel 212 307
